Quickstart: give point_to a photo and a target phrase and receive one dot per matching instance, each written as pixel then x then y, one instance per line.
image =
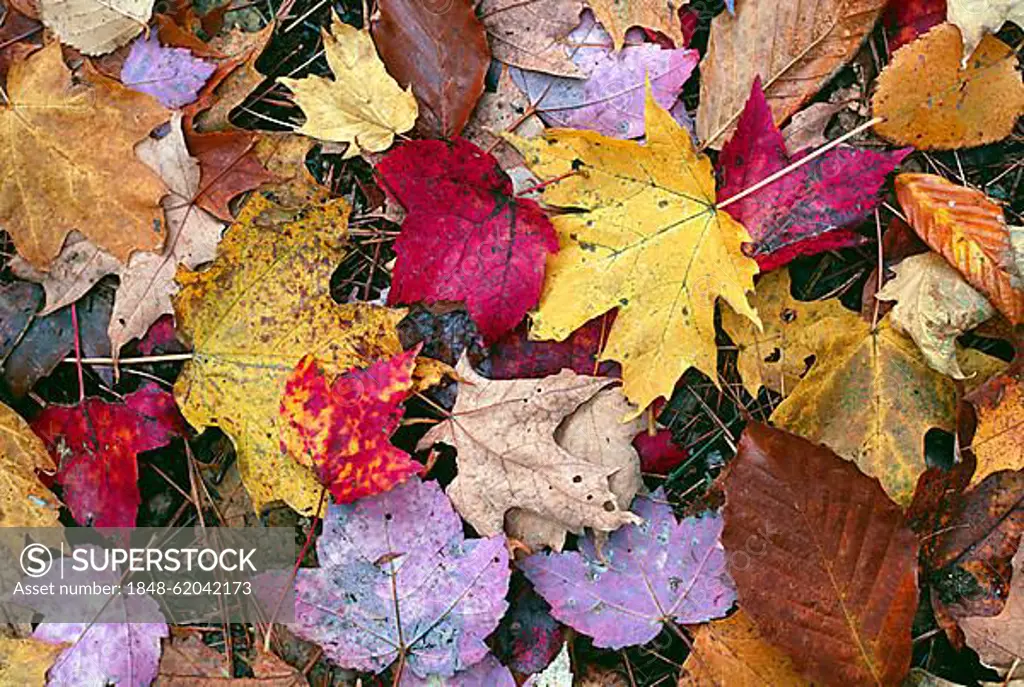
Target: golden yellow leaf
pixel 68 151
pixel 930 101
pixel 777 356
pixel 646 239
pixel 619 15
pixel 96 26
pixel 732 652
pixel 261 306
pixel 24 500
pixel 24 662
pixel 363 106
pixel 998 441
pixel 870 397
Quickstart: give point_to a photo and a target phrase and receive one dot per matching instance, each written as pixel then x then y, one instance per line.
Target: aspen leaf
pixel 930 101
pixel 975 18
pixel 70 148
pixel 251 316
pixel 96 26
pixel 362 106
pixel 24 499
pixel 646 239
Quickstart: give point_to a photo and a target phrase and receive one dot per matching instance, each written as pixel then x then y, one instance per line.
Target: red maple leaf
pixel 514 356
pixel 96 445
pixel 342 430
pixel 466 237
pixel 808 211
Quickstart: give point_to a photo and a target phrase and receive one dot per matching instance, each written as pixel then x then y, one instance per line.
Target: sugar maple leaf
pixel 466 237
pixel 171 75
pixel 228 166
pixel 97 443
pixel 487 673
pixel 261 306
pixel 45 160
pixel 96 26
pixel 807 211
pixel 646 239
pixel 528 638
pixel 342 429
pixel 24 499
pixel 399 581
pixel 908 20
pixel 512 455
pixel 646 575
pixel 363 106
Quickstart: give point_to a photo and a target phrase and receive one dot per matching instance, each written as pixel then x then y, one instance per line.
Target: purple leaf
pixel 397 577
pixel 486 673
pixel 660 569
pixel 171 75
pixel 611 99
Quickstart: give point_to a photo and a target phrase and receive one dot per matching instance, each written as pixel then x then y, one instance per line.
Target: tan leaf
pixel 968 230
pixel 529 34
pixel 934 306
pixel 497 113
pixel 930 101
pixel 795 46
pixel 619 15
pixel 509 456
pixel 998 441
pixel 999 640
pixel 69 151
pixel 71 274
pixel 24 662
pixel 189 662
pixel 975 18
pixel 96 26
pixel 24 500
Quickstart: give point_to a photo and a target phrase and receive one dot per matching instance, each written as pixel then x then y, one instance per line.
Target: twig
pixel 139 360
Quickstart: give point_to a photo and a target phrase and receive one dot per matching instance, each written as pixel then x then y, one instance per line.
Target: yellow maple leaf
pixel 26 661
pixel 24 499
pixel 363 106
pixel 261 306
pixel 68 150
pixel 647 239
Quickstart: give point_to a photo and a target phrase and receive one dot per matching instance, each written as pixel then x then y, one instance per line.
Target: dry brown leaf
pixel 998 441
pixel 999 640
pixel 618 15
pixel 70 150
pixel 529 34
pixel 968 230
pixel 190 663
pixel 930 102
pixel 506 435
pixel 795 46
pixel 96 26
pixel 71 274
pixel 230 85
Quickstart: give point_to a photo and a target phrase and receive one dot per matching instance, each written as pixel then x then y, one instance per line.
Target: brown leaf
pixel 967 228
pixel 930 101
pixel 80 265
pixel 823 561
pixel 998 441
pixel 440 47
pixel 497 113
pixel 618 15
pixel 530 34
pixel 190 663
pixel 229 167
pixel 999 641
pixel 794 45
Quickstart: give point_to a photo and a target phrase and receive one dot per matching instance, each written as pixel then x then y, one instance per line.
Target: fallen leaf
pixel 230 86
pixel 999 641
pixel 486 673
pixel 906 21
pixel 398 581
pixel 171 75
pixel 97 443
pixel 515 356
pixel 934 306
pixel 260 307
pixel 930 101
pixel 441 49
pixel 96 26
pixel 975 18
pixel 43 161
pixel 528 638
pixel 733 652
pixel 342 428
pixel 619 15
pixel 504 110
pixel 558 674
pixel 24 499
pixel 778 356
pixel 610 99
pixel 795 47
pixel 228 167
pixel 466 237
pixel 515 444
pixel 531 35
pixel 24 662
pixel 808 211
pixel 647 574
pixel 659 454
pixel 362 105
pixel 78 267
pixel 870 397
pixel 968 230
pixel 644 211
pixel 998 442
pixel 828 574
pixel 191 663
pixel 806 129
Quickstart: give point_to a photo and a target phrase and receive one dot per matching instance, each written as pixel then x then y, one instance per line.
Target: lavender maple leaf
pixel 398 578
pixel 171 75
pixel 645 574
pixel 487 673
pixel 611 99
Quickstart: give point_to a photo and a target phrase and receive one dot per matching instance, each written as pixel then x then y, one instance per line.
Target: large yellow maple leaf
pixel 643 236
pixel 68 149
pixel 261 306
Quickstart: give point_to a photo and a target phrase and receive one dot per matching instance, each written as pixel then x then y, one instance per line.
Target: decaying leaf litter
pixel 675 343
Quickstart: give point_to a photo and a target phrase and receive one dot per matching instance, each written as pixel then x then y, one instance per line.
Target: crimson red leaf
pixel 658 453
pixel 811 209
pixel 466 237
pixel 96 444
pixel 514 356
pixel 906 20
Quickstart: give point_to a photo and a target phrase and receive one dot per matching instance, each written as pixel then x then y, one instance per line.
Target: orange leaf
pixel 968 229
